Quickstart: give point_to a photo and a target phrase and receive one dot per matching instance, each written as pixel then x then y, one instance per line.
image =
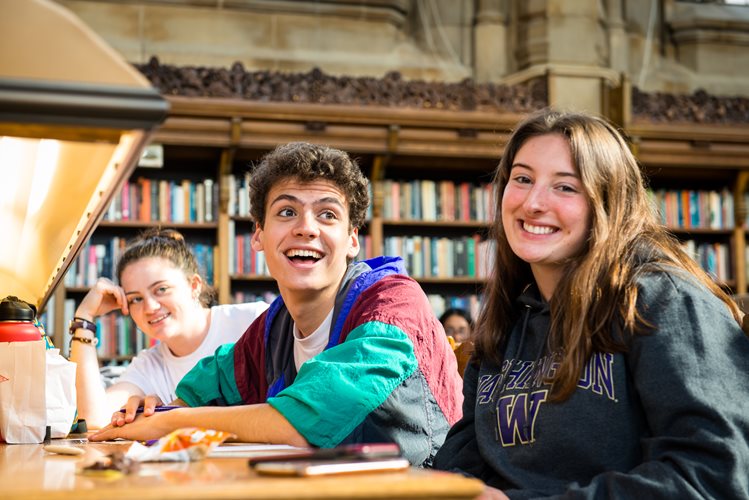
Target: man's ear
pixel 257 239
pixel 353 250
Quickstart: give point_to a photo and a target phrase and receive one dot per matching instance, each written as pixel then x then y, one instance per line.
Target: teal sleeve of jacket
pixel 211 382
pixel 336 390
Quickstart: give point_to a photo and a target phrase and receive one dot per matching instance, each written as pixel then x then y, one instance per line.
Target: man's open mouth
pixel 308 256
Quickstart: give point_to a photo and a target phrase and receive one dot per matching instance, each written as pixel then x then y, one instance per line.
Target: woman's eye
pixel 133 300
pixel 568 189
pixel 162 289
pixel 522 179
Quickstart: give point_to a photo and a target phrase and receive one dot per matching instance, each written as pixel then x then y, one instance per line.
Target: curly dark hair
pixel 306 163
pixel 167 244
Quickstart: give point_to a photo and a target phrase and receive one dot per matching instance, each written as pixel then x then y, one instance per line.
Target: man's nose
pixel 307 225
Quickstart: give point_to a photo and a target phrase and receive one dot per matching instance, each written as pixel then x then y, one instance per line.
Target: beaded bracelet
pixel 83 340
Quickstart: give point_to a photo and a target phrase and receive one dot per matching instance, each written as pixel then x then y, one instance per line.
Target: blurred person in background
pixel 457 323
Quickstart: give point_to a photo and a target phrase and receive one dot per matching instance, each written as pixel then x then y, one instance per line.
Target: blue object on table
pixel 158 408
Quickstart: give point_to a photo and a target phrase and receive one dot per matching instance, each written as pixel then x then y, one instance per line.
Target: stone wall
pixel 584 45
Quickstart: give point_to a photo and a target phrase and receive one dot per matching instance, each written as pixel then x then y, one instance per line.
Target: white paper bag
pixel 61 404
pixel 23 410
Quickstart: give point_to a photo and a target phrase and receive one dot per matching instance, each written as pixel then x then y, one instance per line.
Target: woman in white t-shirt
pixel 162 290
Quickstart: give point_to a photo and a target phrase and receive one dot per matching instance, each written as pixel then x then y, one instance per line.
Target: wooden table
pixel 27 471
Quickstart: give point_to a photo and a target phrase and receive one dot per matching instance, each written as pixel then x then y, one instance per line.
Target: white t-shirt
pixel 310 346
pixel 157 371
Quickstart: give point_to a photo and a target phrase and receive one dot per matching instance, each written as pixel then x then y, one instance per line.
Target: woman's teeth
pixel 160 318
pixel 537 229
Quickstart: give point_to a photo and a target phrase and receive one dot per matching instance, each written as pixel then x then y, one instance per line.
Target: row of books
pixel 444 201
pixel 243 259
pixel 188 201
pixel 161 200
pixel 100 260
pixel 472 257
pixel 239 196
pixel 432 257
pixel 715 258
pixel 94 261
pixel 687 209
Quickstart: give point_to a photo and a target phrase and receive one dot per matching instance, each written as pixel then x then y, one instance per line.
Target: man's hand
pixel 120 418
pixel 140 429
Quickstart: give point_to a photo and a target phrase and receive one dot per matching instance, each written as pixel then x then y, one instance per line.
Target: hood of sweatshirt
pixel 528 339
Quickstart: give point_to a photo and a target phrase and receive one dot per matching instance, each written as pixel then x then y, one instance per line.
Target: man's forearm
pixel 250 423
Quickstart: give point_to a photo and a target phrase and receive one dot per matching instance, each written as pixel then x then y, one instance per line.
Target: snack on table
pixel 113 465
pixel 63 449
pixel 183 445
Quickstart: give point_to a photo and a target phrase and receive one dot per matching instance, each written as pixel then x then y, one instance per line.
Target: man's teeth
pixel 158 319
pixel 304 253
pixel 537 229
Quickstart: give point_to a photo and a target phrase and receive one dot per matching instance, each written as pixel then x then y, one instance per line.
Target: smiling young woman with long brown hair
pixel 607 362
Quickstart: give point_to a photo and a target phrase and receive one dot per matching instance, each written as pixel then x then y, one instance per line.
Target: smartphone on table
pixel 359 451
pixel 324 467
pixel 368 457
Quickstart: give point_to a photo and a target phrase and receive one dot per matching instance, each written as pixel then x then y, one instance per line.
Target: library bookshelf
pixel 213 141
pixel 430 172
pixel 699 174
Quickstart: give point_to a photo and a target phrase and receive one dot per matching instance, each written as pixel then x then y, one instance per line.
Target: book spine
pixel 209 209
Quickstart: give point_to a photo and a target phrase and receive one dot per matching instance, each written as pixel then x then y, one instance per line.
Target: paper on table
pixel 249 450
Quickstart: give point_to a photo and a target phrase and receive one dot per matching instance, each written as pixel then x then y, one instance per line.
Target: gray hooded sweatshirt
pixel 667 419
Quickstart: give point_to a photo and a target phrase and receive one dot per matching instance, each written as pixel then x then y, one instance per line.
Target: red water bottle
pixel 17 333
pixel 17 321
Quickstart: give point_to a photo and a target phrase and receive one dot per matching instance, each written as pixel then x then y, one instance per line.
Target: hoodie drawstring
pixel 519 349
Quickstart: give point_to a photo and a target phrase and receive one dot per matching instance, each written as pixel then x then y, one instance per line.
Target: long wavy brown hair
pixel 593 308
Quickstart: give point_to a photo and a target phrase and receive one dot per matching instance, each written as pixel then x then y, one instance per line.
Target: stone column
pixel 491 52
pixel 618 53
pixel 568 41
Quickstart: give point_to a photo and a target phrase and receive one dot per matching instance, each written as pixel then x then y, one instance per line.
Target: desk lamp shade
pixel 74 118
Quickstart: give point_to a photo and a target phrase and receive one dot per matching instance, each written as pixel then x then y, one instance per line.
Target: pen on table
pixel 156 409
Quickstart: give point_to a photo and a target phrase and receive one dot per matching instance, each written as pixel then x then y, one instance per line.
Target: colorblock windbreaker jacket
pixel 386 374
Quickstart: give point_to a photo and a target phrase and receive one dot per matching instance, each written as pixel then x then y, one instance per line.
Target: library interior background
pixel 424 93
